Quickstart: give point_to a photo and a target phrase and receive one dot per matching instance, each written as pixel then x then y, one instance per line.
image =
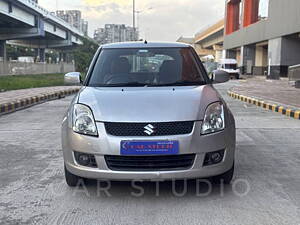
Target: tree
pixel 13 51
pixel 83 54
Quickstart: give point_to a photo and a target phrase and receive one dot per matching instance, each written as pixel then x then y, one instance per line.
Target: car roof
pixel 141 44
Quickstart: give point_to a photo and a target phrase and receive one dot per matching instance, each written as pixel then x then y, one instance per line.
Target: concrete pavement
pixel 11 101
pixel 33 190
pixel 276 95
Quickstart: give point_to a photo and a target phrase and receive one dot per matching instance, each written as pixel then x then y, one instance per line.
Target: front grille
pixel 149 163
pixel 159 129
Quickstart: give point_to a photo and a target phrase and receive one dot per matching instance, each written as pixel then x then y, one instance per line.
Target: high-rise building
pixel 74 18
pixel 84 27
pixel 115 33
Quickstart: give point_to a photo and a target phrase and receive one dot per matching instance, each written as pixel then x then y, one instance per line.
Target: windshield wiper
pixel 130 84
pixel 181 83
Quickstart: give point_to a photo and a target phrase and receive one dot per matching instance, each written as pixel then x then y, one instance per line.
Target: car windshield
pixel 146 67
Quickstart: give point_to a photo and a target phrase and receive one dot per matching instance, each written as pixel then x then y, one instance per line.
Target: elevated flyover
pixel 200 51
pixel 23 22
pixel 211 39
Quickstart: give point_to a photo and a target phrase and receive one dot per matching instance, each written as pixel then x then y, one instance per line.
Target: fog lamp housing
pixel 212 158
pixel 85 159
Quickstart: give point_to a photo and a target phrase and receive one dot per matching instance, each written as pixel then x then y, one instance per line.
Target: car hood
pixel 148 104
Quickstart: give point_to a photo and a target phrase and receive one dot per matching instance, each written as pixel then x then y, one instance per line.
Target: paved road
pixel 18 95
pixel 279 92
pixel 33 191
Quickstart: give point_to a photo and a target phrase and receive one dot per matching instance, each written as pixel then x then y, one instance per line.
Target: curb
pixel 268 106
pixel 30 101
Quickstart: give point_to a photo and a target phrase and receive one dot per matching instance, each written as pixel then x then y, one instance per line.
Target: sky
pixel 158 20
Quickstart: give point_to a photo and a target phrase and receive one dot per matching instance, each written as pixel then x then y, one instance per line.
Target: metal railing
pixel 294 73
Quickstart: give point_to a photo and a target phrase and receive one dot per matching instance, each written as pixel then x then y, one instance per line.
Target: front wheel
pixel 71 179
pixel 237 76
pixel 225 177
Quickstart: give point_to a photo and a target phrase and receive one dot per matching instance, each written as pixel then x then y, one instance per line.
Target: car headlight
pixel 83 120
pixel 213 119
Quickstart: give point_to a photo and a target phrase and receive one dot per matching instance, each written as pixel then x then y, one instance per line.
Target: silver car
pixel 148 111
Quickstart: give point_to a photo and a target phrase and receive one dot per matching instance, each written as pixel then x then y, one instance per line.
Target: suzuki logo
pixel 149 129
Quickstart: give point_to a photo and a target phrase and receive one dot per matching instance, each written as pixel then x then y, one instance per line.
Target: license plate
pixel 149 147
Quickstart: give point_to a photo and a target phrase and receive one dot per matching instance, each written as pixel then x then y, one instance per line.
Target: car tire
pixel 225 177
pixel 71 179
pixel 237 76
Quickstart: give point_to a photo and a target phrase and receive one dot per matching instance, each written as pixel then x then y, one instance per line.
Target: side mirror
pixel 73 78
pixel 220 76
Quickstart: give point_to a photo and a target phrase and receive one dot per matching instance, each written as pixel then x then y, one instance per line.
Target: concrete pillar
pixel 42 55
pixel 261 60
pixel 238 57
pixel 37 54
pixel 3 50
pixel 63 57
pixel 259 56
pixel 218 52
pixel 3 58
pixel 290 52
pixel 248 58
pixel 282 53
pixel 218 56
pixel 274 56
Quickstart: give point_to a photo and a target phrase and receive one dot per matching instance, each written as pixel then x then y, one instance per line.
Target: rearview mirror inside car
pixel 145 53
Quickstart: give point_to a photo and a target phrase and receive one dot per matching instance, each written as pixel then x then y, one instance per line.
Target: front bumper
pixel 110 145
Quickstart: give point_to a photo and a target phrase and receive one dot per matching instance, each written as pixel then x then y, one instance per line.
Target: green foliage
pixel 84 54
pixel 14 82
pixel 13 52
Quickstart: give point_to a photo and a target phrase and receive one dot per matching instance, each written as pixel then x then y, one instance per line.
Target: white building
pixel 74 17
pixel 112 33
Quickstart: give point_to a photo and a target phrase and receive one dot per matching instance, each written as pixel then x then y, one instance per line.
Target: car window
pixel 230 66
pixel 147 66
pixel 211 66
